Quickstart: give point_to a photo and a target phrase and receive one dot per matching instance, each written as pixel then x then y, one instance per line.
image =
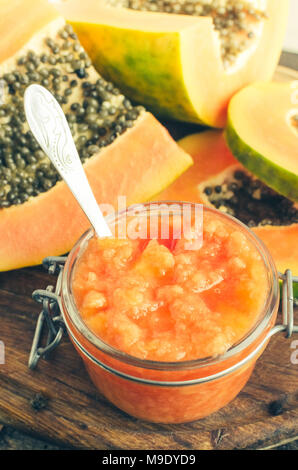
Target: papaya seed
pixel 25 171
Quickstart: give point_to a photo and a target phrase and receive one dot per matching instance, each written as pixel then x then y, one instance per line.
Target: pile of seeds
pixel 96 111
pixel 251 201
pixel 235 20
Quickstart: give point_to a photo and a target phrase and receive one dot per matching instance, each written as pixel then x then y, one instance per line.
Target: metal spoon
pixel 50 128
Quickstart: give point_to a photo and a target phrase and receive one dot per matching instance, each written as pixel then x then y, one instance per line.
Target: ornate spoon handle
pixel 50 128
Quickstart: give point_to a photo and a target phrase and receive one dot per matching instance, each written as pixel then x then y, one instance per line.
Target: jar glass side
pixel 197 389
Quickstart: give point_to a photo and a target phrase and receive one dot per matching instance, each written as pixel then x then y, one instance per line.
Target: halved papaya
pixel 217 179
pixel 262 134
pixel 176 64
pixel 125 150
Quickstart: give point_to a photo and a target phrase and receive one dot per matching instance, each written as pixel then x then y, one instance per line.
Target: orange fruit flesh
pixel 172 301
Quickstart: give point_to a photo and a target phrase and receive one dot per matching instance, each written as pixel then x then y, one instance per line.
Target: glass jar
pixel 164 392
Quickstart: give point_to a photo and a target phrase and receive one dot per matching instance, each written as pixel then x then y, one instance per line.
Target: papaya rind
pixel 163 92
pixel 275 176
pixel 138 50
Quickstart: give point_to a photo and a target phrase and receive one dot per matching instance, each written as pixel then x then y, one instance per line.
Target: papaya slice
pixel 125 150
pixel 262 133
pixel 175 64
pixel 218 180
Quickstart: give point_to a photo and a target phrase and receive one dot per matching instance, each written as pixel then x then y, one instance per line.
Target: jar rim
pixel 256 330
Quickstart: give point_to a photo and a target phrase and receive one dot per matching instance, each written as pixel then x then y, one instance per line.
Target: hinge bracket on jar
pixel 288 302
pixel 50 316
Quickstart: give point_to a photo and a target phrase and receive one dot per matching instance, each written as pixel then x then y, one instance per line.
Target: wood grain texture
pixel 58 402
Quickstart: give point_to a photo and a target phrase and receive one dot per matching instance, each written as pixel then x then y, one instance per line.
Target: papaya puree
pixel 172 301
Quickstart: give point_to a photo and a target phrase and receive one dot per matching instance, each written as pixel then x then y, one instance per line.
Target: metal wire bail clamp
pixel 50 315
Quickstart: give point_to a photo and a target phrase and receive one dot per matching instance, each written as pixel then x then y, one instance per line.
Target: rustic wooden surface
pixel 72 414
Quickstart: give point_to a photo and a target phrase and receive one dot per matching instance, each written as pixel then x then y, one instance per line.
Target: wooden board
pixel 73 413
